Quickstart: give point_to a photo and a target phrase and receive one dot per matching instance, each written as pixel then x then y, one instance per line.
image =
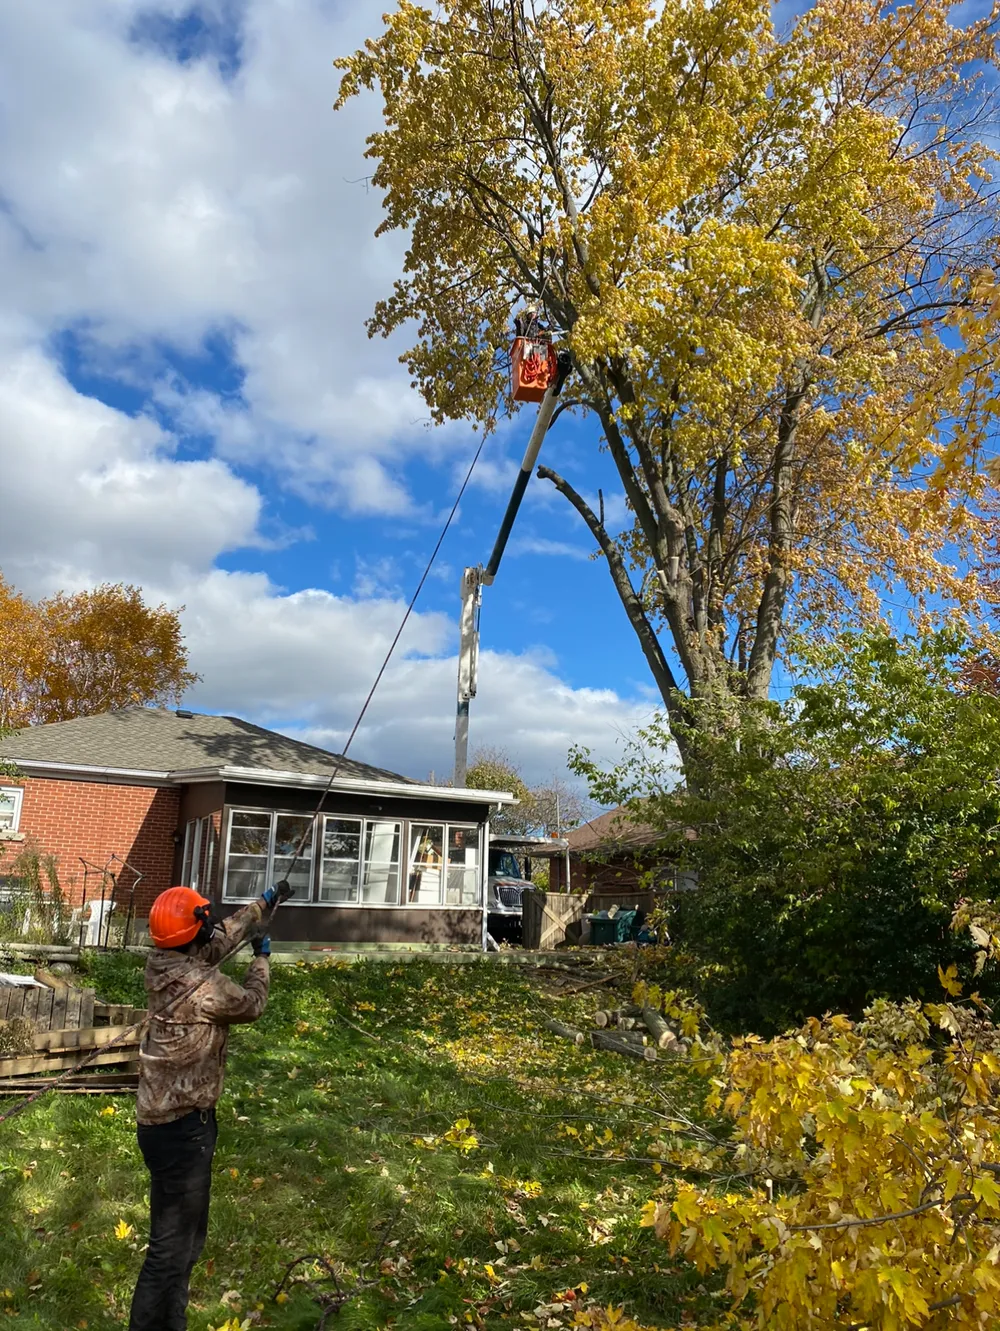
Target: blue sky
pixel 189 401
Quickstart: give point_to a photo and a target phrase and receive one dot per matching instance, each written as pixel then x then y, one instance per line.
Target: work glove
pixel 261 946
pixel 278 892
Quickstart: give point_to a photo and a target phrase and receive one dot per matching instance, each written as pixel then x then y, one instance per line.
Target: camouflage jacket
pixel 182 1057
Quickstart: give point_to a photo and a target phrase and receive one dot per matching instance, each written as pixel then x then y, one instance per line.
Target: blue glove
pixel 278 892
pixel 261 946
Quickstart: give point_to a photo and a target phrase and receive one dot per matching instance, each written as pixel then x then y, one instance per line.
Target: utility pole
pixel 474 579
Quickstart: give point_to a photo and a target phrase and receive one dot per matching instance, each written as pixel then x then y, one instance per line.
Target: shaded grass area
pixel 444 1153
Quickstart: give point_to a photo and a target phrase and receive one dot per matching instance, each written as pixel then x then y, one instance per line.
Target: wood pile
pixel 633 1032
pixel 64 1025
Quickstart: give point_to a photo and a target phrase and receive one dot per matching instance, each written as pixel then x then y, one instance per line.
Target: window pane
pixel 463 866
pixel 290 830
pixel 208 839
pixel 10 808
pixel 249 841
pixel 426 863
pixel 250 833
pixel 341 860
pixel 246 882
pixel 342 838
pixel 463 887
pixel 340 881
pixel 186 858
pixel 381 877
pixel 299 878
pixel 249 846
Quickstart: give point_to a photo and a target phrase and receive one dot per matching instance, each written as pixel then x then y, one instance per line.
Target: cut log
pixel 51 981
pixel 663 1036
pixel 43 951
pixel 616 1045
pixel 602 1018
pixel 626 1023
pixel 634 1037
pixel 566 1032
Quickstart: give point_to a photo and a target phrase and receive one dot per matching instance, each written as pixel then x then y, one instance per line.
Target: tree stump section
pixel 663 1036
pixel 616 1045
pixel 565 1032
pixel 634 1037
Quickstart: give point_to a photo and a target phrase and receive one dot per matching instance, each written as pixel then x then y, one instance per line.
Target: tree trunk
pixel 663 1036
pixel 616 1045
pixel 565 1032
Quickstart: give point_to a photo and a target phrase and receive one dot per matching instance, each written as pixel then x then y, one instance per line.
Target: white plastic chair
pixel 96 924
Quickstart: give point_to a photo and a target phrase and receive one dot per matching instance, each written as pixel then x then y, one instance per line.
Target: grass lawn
pixel 463 1167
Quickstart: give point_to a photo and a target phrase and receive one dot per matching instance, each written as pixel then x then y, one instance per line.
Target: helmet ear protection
pixel 204 915
pixel 179 916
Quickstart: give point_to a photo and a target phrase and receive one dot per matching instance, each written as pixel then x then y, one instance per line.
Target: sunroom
pixel 384 862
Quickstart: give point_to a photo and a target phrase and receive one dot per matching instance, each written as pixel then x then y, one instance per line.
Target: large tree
pixel 92 651
pixel 771 257
pixel 546 810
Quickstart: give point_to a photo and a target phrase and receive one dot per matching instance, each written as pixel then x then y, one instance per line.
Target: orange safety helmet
pixel 173 921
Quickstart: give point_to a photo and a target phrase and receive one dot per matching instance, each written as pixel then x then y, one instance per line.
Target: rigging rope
pixel 297 854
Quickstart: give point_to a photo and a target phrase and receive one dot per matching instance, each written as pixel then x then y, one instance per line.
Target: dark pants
pixel 178 1156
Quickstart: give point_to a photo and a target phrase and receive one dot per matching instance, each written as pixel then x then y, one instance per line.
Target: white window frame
pixel 446 830
pixel 364 825
pixel 405 825
pixel 16 795
pixel 198 853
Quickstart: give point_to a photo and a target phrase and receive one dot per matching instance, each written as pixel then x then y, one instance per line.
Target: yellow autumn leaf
pixel 948 980
pixel 123 1231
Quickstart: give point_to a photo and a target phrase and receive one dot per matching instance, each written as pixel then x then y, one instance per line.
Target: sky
pixel 189 400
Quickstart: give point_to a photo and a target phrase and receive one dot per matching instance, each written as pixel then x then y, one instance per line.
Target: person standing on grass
pixel 182 1062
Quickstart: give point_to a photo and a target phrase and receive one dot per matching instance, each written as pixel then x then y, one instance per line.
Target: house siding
pixel 320 925
pixel 90 820
pixel 592 875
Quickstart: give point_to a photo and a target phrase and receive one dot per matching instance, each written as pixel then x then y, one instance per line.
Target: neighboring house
pixel 156 797
pixel 611 855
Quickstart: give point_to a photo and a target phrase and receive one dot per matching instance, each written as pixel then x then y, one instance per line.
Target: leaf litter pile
pixel 400 1146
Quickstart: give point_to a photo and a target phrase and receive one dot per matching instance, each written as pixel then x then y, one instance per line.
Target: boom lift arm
pixel 474 579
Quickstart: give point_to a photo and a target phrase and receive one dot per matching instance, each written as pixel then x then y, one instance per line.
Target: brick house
pixel 136 800
pixel 611 857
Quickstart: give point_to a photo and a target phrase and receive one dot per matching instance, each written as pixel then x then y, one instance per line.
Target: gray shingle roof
pixel 156 740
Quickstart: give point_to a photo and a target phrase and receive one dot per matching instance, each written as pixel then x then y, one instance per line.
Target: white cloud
pixel 144 203
pixel 91 494
pixel 304 663
pixel 155 201
pixel 542 545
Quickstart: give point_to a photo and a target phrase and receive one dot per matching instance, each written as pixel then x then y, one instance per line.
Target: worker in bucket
pixel 182 1061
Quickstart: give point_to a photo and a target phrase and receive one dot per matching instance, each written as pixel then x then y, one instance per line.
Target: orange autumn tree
pixel 772 258
pixel 93 651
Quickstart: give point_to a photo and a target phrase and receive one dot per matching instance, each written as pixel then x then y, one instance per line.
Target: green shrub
pixel 38 912
pixel 117 976
pixel 835 833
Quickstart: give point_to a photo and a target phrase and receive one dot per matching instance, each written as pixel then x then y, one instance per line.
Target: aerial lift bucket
pixel 533 366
